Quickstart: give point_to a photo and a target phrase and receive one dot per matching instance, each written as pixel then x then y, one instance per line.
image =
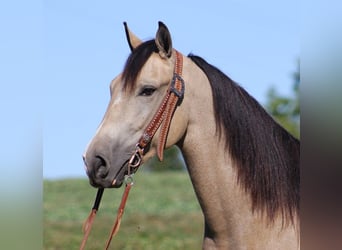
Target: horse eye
pixel 147 91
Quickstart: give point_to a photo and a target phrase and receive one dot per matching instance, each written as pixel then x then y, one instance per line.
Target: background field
pixel 162 213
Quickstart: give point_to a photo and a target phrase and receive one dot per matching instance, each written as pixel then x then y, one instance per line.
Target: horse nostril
pixel 100 166
pixel 99 161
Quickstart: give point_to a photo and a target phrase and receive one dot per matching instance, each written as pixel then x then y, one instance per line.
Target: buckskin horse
pixel 244 166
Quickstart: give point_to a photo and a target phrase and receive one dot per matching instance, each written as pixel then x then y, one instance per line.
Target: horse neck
pixel 209 165
pixel 225 204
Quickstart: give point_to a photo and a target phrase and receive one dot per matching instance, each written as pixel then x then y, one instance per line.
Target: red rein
pixel 88 223
pixel 121 210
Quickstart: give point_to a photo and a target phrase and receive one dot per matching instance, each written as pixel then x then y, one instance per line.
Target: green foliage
pixel 173 160
pixel 286 110
pixel 161 213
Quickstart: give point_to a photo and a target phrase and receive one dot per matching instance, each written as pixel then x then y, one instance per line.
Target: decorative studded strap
pixel 164 114
pixel 176 95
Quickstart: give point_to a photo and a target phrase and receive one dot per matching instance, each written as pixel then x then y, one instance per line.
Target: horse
pixel 244 167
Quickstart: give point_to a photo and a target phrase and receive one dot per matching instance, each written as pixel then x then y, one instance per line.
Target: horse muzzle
pixel 101 174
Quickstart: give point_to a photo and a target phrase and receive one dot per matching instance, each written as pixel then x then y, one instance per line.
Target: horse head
pixel 136 95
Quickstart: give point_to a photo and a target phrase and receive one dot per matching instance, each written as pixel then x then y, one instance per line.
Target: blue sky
pixel 81 46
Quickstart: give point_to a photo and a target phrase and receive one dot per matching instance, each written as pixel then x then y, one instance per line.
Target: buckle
pixel 173 89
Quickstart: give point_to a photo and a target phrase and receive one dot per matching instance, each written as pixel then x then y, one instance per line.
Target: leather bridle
pixel 161 119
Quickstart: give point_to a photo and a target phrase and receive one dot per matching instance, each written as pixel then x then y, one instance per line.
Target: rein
pixel 162 118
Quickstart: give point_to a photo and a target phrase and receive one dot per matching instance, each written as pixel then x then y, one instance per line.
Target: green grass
pixel 161 213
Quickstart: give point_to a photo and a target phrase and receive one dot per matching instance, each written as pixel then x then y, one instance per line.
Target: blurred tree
pixel 173 160
pixel 286 110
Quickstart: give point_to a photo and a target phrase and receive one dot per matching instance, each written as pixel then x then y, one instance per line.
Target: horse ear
pixel 163 41
pixel 133 40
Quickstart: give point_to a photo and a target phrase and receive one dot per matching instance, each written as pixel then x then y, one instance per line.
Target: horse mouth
pixel 105 181
pixel 120 176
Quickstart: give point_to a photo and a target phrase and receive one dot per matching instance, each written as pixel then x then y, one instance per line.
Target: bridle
pixel 161 119
pixel 163 116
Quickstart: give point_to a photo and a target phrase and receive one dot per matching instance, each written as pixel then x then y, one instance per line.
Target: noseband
pixel 161 119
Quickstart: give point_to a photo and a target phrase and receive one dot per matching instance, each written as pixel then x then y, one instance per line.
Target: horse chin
pixel 110 181
pixel 102 184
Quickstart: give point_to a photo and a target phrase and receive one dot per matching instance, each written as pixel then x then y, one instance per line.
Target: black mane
pixel 265 154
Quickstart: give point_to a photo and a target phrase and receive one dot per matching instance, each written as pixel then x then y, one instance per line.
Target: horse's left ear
pixel 163 41
pixel 133 40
